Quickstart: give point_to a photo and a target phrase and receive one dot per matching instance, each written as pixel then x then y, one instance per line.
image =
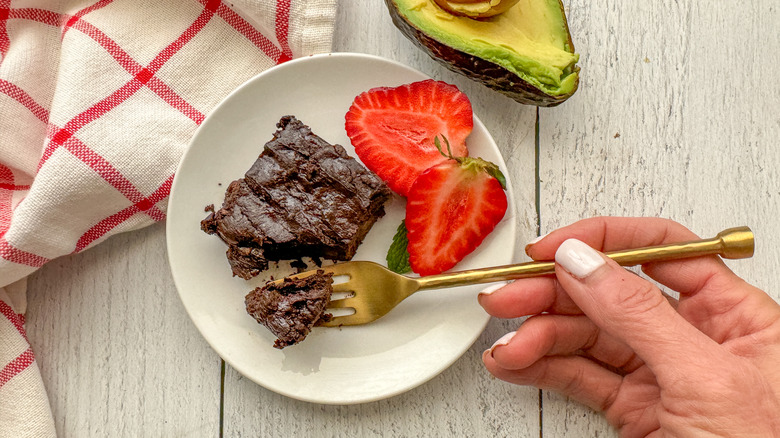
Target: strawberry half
pixel 392 129
pixel 450 210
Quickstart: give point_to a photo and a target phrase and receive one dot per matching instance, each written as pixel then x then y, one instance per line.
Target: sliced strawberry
pixel 450 209
pixel 392 129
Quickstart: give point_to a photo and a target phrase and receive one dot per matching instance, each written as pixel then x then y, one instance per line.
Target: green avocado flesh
pixel 531 40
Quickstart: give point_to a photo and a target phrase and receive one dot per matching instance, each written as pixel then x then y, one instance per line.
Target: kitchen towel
pixel 98 101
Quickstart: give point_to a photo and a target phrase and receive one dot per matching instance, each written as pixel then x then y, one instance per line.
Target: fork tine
pixel 345 303
pixel 339 268
pixel 346 320
pixel 339 321
pixel 333 322
pixel 342 287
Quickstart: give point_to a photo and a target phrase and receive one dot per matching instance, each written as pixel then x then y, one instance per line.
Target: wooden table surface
pixel 676 116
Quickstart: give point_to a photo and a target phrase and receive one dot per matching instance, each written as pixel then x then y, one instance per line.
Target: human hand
pixel 706 365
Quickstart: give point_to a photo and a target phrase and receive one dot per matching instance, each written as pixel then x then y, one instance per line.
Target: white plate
pixel 409 346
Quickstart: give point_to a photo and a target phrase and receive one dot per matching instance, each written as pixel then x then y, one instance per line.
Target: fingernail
pixel 537 240
pixel 503 340
pixel 579 259
pixel 489 290
pixel 531 243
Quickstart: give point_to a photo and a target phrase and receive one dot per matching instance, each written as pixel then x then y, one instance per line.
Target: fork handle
pixel 732 243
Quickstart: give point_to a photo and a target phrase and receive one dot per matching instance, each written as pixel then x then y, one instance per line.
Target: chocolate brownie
pixel 302 197
pixel 291 307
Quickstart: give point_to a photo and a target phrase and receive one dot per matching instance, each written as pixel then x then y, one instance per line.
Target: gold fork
pixel 375 290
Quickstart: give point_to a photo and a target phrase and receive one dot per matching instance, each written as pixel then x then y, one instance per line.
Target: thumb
pixel 628 307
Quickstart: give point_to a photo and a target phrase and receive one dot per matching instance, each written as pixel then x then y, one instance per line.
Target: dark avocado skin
pixel 489 74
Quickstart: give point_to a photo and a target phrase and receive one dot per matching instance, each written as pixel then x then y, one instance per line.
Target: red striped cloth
pixel 97 103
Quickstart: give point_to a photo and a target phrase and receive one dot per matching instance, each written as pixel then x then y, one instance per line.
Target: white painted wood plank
pixel 464 400
pixel 118 354
pixel 691 89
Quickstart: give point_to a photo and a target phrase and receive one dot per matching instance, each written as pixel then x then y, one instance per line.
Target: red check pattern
pixel 96 107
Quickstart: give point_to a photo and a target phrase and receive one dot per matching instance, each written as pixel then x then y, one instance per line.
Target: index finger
pixel 615 233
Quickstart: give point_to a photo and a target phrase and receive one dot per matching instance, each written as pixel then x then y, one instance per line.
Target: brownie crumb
pixel 291 307
pixel 299 265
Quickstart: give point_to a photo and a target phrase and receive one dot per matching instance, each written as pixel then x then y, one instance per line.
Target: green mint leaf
pixel 398 254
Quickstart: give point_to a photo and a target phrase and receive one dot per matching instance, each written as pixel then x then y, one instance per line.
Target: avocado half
pixel 525 53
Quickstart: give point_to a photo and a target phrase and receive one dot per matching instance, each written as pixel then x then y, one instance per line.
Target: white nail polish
pixel 503 340
pixel 538 239
pixel 493 288
pixel 579 259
